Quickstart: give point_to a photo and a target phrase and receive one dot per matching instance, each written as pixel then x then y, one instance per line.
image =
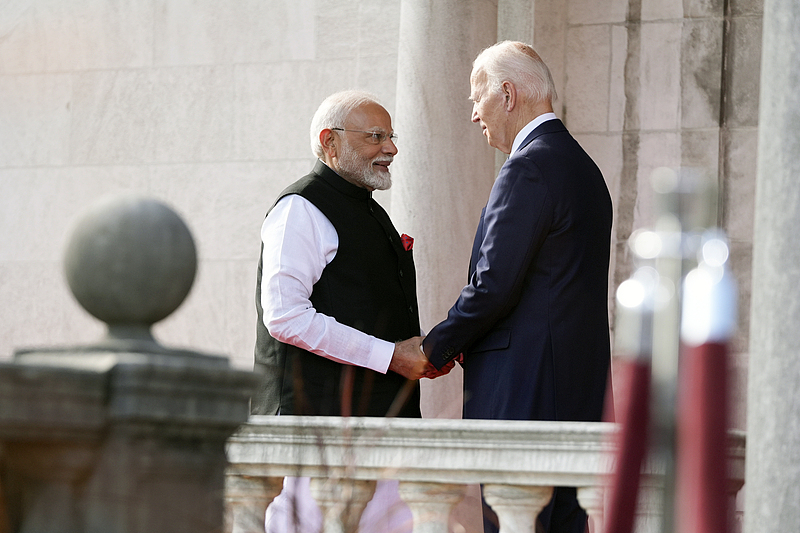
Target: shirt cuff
pixel 381 356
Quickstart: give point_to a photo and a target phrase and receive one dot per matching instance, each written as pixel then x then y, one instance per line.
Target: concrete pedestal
pixel 117 442
pixel 125 435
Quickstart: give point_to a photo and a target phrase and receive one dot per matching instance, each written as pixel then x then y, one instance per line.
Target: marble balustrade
pixel 518 463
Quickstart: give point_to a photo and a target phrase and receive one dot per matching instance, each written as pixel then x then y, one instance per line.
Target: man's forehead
pixel 371 114
pixel 478 73
pixel 477 79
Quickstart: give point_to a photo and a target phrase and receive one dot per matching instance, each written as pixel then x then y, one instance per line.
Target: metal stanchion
pixel 653 364
pixel 708 323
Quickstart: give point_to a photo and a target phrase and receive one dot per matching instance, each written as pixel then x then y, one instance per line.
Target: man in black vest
pixel 336 287
pixel 336 296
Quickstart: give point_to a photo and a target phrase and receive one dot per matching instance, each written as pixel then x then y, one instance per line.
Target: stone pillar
pixel 593 501
pixel 123 436
pixel 444 169
pixel 773 415
pixel 342 501
pixel 246 501
pixel 517 507
pixel 431 504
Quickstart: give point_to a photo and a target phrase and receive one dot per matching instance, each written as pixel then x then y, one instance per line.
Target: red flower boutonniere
pixel 408 242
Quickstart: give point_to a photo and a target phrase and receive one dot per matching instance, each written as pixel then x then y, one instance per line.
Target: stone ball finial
pixel 130 262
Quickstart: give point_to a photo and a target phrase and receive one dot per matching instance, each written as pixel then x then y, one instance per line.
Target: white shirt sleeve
pixel 299 242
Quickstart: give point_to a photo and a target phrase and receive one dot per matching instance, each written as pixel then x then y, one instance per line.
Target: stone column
pixel 246 501
pixel 444 169
pixel 517 507
pixel 773 414
pixel 431 504
pixel 342 501
pixel 593 501
pixel 125 435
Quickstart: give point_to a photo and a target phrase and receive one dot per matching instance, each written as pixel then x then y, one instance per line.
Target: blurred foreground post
pixel 708 323
pixel 124 435
pixel 673 335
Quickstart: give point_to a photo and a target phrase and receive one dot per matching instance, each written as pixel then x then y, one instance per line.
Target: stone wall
pixel 658 83
pixel 205 105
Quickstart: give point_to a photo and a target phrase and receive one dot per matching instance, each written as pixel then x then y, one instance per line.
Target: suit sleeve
pixel 515 223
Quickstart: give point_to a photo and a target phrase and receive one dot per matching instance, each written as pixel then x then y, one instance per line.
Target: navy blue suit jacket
pixel 532 322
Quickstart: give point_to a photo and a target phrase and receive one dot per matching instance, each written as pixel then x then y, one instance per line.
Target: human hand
pixel 433 373
pixel 409 360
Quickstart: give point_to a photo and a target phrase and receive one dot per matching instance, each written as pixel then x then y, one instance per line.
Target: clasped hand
pixel 410 361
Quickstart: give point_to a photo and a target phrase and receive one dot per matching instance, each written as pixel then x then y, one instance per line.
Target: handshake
pixel 410 361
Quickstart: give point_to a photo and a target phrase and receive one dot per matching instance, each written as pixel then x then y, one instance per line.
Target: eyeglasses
pixel 373 137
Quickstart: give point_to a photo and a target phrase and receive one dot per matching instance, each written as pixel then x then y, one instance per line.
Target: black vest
pixel 369 285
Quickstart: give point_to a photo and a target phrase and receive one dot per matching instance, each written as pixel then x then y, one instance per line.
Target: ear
pixel 509 94
pixel 328 141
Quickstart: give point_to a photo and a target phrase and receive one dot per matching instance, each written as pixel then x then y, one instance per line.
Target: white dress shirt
pixel 299 242
pixel 529 127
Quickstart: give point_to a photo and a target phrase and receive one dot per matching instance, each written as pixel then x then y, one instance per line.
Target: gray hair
pixel 518 63
pixel 333 112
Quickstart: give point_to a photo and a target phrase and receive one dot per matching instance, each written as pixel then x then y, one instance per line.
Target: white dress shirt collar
pixel 529 127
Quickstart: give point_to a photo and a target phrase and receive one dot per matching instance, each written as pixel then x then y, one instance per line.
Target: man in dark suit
pixel 532 322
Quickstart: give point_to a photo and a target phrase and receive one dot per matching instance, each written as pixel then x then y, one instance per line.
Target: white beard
pixel 360 171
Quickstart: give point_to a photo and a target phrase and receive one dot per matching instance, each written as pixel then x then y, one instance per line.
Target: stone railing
pixel 518 463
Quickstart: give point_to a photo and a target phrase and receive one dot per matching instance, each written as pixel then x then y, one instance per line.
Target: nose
pixel 388 146
pixel 475 117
